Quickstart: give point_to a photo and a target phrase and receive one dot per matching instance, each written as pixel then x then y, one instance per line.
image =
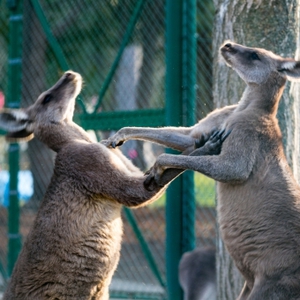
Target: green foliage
pixel 204 190
pixel 161 202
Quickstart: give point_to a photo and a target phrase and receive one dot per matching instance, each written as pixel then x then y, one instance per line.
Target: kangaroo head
pixel 255 65
pixel 53 106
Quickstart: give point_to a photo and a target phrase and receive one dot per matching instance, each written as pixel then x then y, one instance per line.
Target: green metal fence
pixel 144 63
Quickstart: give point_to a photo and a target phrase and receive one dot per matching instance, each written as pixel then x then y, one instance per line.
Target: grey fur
pixel 259 199
pixel 197 274
pixel 73 248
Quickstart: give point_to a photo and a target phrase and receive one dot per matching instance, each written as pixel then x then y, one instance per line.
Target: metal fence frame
pixel 179 111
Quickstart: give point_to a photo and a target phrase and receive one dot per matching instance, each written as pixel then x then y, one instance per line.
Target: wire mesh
pixel 205 224
pixel 90 35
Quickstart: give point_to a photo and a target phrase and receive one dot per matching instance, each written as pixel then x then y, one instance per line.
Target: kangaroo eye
pixel 47 99
pixel 254 56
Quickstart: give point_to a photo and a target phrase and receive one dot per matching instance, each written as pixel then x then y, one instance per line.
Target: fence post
pixel 189 68
pixel 13 101
pixel 180 99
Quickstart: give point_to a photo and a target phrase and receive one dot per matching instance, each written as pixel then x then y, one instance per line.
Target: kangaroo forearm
pixel 170 174
pixel 132 193
pixel 143 199
pixel 172 137
pixel 174 140
pixel 213 166
pixel 126 131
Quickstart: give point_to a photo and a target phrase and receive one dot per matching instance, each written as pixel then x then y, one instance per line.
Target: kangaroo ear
pixel 19 136
pixel 291 68
pixel 13 120
pixel 16 122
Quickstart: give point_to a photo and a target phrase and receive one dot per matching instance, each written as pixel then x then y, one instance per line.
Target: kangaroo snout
pixel 72 77
pixel 69 78
pixel 227 50
pixel 227 46
pixel 68 86
pixel 231 47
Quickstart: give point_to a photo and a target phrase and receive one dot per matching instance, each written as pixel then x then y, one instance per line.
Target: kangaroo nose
pixel 227 45
pixel 70 75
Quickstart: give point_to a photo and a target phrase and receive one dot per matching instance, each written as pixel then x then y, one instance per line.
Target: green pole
pixel 173 118
pixel 144 245
pixel 14 237
pixel 189 69
pixel 180 111
pixel 13 101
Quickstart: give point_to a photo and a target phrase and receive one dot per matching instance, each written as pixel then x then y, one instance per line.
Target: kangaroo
pixel 197 274
pixel 74 246
pixel 259 199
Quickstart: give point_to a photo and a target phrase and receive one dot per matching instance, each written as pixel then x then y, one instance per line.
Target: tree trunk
pixel 273 25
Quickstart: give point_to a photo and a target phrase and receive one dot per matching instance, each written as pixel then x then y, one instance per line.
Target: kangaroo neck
pixel 58 135
pixel 264 97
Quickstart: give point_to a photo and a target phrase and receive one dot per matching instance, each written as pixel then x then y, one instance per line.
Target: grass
pixel 204 192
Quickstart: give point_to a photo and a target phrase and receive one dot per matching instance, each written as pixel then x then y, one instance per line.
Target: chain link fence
pixel 205 226
pixel 119 48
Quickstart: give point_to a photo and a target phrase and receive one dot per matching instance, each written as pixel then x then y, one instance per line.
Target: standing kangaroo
pixel 73 248
pixel 197 274
pixel 259 199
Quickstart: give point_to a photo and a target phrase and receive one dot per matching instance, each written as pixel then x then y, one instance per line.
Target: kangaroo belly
pixel 72 256
pixel 260 228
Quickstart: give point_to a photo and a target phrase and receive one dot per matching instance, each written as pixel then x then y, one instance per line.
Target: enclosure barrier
pixel 154 43
pixel 13 101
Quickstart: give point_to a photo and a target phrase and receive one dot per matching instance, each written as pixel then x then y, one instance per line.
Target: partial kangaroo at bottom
pixel 197 274
pixel 259 199
pixel 73 248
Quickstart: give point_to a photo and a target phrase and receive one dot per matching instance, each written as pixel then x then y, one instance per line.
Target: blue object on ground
pixel 25 186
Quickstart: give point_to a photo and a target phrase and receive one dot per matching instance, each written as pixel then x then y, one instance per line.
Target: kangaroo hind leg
pixel 272 289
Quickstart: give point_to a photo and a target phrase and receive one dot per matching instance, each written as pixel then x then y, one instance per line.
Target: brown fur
pixel 259 199
pixel 73 248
